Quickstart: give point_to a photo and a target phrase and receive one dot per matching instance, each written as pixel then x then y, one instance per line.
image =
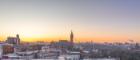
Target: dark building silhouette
pixel 71 40
pixel 64 44
pixel 71 37
pixel 13 40
pixel 18 39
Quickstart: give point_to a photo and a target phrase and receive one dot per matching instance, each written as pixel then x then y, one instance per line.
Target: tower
pixel 71 37
pixel 18 39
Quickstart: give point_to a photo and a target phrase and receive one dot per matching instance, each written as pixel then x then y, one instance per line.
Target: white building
pixel 70 56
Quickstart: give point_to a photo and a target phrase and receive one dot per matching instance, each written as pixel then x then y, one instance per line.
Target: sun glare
pixel 28 31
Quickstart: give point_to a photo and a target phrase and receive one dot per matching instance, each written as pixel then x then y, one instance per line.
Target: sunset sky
pixel 52 20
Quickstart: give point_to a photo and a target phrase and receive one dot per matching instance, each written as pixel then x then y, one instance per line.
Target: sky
pixel 52 20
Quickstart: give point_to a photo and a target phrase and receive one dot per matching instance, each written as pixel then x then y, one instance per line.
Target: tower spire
pixel 18 39
pixel 71 36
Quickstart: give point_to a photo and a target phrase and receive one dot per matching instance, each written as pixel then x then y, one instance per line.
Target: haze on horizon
pixel 90 20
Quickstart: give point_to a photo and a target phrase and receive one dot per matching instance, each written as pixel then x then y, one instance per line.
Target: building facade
pixel 13 40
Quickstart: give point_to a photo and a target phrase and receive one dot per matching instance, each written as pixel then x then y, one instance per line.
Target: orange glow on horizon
pixel 76 39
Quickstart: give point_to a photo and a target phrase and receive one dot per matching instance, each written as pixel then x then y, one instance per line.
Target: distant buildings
pixel 62 50
pixel 13 40
pixel 65 44
pixel 6 49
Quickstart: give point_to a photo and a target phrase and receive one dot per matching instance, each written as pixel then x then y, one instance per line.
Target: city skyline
pixel 52 20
